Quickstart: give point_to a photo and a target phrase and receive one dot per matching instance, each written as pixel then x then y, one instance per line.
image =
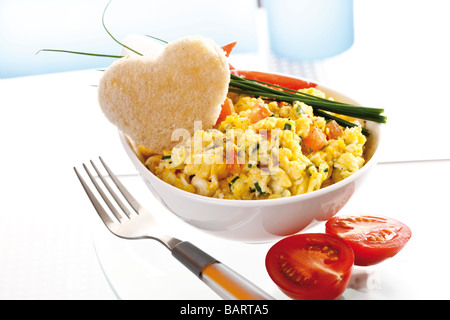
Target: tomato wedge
pixel 310 266
pixel 227 109
pixel 373 239
pixel 232 163
pixel 228 48
pixel 333 130
pixel 280 80
pixel 259 113
pixel 315 140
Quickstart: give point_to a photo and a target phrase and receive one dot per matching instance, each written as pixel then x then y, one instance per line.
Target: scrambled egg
pixel 265 157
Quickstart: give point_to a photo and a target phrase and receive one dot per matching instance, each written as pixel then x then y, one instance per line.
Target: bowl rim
pixel 143 170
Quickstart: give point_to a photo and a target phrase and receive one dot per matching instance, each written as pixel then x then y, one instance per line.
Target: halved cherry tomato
pixel 373 239
pixel 280 80
pixel 258 113
pixel 316 139
pixel 312 266
pixel 227 109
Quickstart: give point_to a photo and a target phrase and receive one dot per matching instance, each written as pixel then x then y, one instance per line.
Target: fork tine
pixel 111 191
pixel 127 195
pixel 103 195
pixel 98 207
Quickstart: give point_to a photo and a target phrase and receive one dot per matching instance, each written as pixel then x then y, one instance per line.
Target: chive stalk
pixel 109 33
pixel 82 53
pixel 321 106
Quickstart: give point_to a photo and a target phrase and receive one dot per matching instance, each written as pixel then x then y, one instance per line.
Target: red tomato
pixel 227 109
pixel 228 48
pixel 333 130
pixel 280 80
pixel 373 239
pixel 232 163
pixel 316 139
pixel 258 113
pixel 310 266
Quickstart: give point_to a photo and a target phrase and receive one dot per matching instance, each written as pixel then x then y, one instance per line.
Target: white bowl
pixel 260 220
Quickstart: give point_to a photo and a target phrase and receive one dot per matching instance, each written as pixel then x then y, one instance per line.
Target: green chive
pixel 299 110
pixel 321 106
pixel 258 188
pixel 82 53
pixel 112 37
pixel 232 182
pixel 99 54
pixel 158 39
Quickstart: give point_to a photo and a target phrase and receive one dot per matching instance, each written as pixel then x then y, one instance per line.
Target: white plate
pixel 145 269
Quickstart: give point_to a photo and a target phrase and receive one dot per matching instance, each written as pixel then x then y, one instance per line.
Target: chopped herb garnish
pixel 287 126
pixel 258 188
pixel 299 110
pixel 166 157
pixel 232 182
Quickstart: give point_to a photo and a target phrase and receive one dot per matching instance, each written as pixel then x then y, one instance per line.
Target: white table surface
pixel 50 123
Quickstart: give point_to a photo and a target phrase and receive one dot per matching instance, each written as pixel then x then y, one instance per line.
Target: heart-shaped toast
pixel 148 98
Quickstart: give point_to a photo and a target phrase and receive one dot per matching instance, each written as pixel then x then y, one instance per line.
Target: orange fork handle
pixel 227 283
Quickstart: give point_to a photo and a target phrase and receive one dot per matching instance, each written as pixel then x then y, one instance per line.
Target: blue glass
pixel 306 30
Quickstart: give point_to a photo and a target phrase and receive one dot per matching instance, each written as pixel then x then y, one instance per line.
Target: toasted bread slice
pixel 148 98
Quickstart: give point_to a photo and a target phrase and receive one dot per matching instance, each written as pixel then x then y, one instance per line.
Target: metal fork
pixel 141 225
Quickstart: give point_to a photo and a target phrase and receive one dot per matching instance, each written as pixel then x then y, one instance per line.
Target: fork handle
pixel 227 283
